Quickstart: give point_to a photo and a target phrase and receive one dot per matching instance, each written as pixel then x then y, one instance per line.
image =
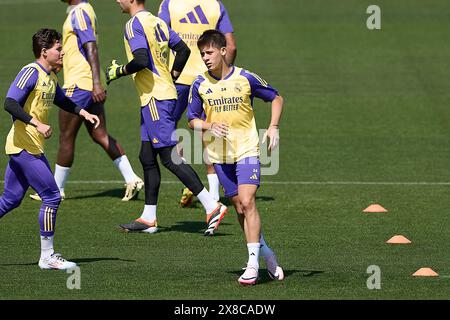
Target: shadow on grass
pixel 111 193
pixel 77 261
pixel 226 201
pixel 90 260
pixel 193 227
pixel 264 276
pixel 196 227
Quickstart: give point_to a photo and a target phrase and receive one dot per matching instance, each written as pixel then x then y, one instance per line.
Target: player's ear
pixel 223 51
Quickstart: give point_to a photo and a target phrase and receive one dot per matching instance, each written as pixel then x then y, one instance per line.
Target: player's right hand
pixel 219 129
pixel 114 71
pixel 273 134
pixel 98 93
pixel 45 130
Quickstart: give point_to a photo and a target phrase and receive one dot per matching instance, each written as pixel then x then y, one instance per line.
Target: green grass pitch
pixel 360 106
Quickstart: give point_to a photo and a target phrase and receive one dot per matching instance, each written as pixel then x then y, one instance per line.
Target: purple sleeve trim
pixel 224 23
pixel 22 86
pixel 83 27
pixel 195 104
pixel 164 13
pixel 259 87
pixel 161 32
pixel 136 36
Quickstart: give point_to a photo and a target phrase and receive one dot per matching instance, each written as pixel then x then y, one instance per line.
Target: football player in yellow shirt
pixel 148 41
pixel 221 103
pixel 85 85
pixel 190 18
pixel 28 100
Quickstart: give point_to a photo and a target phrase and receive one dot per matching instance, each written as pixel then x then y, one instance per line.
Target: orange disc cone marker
pixel 425 272
pixel 374 208
pixel 399 239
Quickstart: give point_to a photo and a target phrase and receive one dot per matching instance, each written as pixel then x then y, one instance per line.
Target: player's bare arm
pixel 98 92
pixel 231 48
pixel 272 131
pixel 218 129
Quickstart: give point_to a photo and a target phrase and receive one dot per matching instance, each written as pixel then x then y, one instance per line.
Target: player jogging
pixel 221 104
pixel 147 42
pixel 84 84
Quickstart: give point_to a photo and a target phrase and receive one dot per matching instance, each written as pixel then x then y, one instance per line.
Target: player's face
pixel 212 57
pixel 54 55
pixel 125 5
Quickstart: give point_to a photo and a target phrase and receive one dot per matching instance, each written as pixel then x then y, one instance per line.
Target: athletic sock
pixel 253 255
pixel 61 175
pixel 46 246
pixel 207 201
pixel 265 249
pixel 149 213
pixel 125 169
pixel 213 182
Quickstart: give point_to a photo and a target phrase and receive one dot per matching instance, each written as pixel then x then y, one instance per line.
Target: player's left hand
pixel 274 137
pixel 92 118
pixel 114 71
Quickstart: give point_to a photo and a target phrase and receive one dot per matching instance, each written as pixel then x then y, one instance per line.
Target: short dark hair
pixel 212 37
pixel 44 39
pixel 140 1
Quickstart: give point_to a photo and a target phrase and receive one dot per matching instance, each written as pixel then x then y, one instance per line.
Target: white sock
pixel 46 247
pixel 149 213
pixel 61 175
pixel 253 254
pixel 125 168
pixel 213 182
pixel 265 249
pixel 207 201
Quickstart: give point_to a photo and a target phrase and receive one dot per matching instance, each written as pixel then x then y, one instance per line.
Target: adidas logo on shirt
pixel 254 177
pixel 195 17
pixel 209 91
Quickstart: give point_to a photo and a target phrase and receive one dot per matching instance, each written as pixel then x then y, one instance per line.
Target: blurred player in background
pixel 190 18
pixel 85 87
pixel 28 100
pixel 224 94
pixel 148 40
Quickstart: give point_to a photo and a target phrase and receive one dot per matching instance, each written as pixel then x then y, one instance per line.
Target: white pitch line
pixel 377 183
pixel 369 183
pixel 381 183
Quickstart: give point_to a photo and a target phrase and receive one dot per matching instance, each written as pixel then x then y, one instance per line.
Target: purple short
pixel 158 124
pixel 80 97
pixel 245 171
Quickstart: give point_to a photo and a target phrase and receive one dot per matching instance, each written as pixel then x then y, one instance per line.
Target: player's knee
pixel 10 203
pixel 52 198
pixel 168 163
pixel 66 137
pixel 147 162
pixel 66 143
pixel 247 204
